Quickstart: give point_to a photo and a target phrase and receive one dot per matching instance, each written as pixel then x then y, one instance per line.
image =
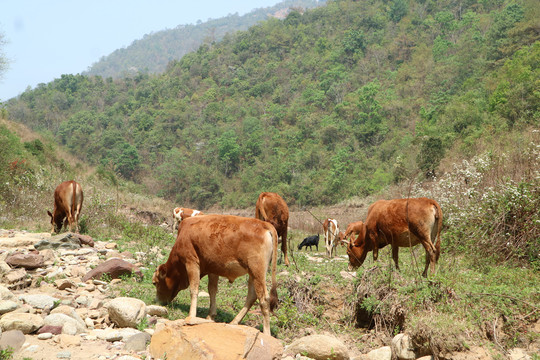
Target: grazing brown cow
pixel 68 200
pixel 400 223
pixel 180 214
pixel 221 245
pixel 331 236
pixel 272 208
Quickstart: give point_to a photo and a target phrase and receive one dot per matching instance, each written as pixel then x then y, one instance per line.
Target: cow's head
pixel 56 222
pixel 164 292
pixel 168 283
pixel 357 249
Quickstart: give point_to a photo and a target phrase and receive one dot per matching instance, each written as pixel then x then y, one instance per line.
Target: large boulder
pixel 126 312
pixel 114 268
pixel 211 340
pixel 62 241
pixel 39 301
pixel 26 323
pixel 319 347
pixel 69 325
pixel 30 261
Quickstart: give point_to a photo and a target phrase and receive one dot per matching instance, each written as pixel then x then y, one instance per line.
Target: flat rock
pixel 12 338
pixel 31 260
pixel 114 268
pixel 221 342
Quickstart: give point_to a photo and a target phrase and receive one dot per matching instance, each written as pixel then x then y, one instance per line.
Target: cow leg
pixel 395 255
pixel 212 290
pixel 431 255
pixel 193 272
pixel 284 246
pixel 250 299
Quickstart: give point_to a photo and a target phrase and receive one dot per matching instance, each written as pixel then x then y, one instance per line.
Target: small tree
pixel 431 154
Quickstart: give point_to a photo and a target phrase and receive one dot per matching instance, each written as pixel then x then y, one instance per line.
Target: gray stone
pixel 61 241
pixel 64 355
pixel 39 301
pixel 45 336
pixel 137 342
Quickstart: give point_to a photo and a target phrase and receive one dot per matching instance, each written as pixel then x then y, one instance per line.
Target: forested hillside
pixel 339 101
pixel 154 51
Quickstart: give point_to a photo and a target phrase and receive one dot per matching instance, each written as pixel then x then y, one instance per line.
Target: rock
pixel 15 276
pixel 53 329
pixel 222 341
pixel 348 275
pixel 319 347
pixel 384 353
pixel 6 294
pixel 63 319
pixel 63 355
pixel 31 260
pixel 8 306
pixel 402 347
pixel 63 284
pixel 61 241
pixel 86 240
pixel 45 336
pixel 155 310
pixel 12 338
pixel 137 342
pixel 69 340
pixel 114 268
pixel 27 323
pixel 39 301
pixel 126 312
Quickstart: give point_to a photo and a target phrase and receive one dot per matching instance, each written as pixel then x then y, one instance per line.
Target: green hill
pixel 154 51
pixel 340 101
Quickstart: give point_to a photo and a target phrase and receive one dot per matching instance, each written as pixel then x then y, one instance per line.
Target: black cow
pixel 310 241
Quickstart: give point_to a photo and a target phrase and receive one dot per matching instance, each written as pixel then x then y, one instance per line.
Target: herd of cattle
pixel 231 246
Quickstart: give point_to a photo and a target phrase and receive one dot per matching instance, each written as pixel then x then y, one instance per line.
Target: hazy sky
pixel 48 38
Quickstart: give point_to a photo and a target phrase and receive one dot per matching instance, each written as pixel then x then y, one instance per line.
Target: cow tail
pixel 273 290
pixel 439 220
pixel 73 204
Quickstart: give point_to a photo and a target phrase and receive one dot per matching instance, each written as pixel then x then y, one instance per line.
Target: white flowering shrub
pixel 490 204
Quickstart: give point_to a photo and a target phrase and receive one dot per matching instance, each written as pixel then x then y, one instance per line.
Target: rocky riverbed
pixel 55 304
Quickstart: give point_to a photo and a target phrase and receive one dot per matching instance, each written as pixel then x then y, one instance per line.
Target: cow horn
pixel 345 241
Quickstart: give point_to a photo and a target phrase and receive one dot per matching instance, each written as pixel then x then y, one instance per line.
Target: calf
pixel 399 223
pixel 68 200
pixel 180 214
pixel 310 241
pixel 221 245
pixel 331 236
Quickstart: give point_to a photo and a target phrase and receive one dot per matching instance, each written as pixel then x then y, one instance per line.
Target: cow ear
pixel 162 272
pixel 48 212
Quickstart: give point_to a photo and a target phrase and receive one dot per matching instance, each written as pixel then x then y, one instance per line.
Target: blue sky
pixel 45 39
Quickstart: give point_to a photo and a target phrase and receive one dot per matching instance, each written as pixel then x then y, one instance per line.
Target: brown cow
pixel 180 214
pixel 68 200
pixel 331 236
pixel 221 245
pixel 272 208
pixel 400 223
